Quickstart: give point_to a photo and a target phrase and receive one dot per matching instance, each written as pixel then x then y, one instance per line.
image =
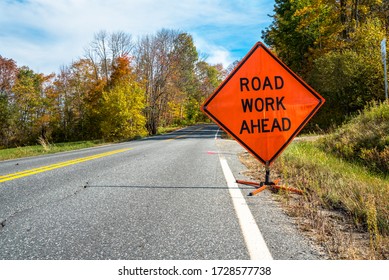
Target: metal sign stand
pixel 268 184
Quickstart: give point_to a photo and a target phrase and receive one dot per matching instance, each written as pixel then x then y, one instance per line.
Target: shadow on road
pixel 164 187
pixel 198 131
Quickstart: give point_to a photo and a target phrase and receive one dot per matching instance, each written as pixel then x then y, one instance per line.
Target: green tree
pixel 8 114
pixel 351 77
pixel 80 94
pixel 29 102
pixel 122 104
pixel 154 69
pixel 165 66
pixel 209 78
pixel 5 121
pixel 184 79
pixel 335 46
pixel 121 111
pixel 301 31
pixel 348 82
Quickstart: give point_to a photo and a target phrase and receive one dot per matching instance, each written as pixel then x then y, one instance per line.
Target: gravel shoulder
pixel 279 230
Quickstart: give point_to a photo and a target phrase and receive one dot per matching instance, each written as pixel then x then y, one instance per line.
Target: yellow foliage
pixel 121 112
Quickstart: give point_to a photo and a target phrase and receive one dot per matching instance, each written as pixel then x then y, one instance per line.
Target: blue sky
pixel 47 34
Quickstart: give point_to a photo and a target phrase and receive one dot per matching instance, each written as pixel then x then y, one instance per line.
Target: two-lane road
pixel 163 197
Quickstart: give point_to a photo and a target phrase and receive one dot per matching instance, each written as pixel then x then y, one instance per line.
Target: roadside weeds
pixel 344 212
pixel 45 147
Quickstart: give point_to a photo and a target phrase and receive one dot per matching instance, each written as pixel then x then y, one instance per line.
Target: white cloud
pixel 45 34
pixel 220 56
pixel 214 54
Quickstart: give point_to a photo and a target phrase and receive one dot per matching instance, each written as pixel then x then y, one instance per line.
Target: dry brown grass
pixel 341 233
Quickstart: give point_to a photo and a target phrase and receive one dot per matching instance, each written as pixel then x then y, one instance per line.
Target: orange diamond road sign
pixel 262 104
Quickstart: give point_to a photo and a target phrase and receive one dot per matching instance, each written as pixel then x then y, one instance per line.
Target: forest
pixel 120 89
pixel 334 45
pixel 123 88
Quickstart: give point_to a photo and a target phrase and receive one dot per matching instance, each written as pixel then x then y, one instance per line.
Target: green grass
pixel 36 150
pixel 345 174
pixel 168 129
pixel 348 169
pixel 48 148
pixel 338 184
pixel 364 138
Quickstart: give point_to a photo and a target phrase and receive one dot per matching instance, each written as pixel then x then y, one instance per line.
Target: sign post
pixel 263 105
pixel 383 53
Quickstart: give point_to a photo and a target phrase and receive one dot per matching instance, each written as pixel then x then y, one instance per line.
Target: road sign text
pixel 263 104
pixel 256 83
pixel 265 125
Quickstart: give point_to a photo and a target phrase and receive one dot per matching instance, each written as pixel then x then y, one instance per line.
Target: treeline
pixel 119 89
pixel 335 46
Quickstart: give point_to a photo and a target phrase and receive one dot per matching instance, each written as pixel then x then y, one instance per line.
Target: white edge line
pixel 253 238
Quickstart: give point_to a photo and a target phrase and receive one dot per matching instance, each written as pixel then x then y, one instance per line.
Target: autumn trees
pixel 8 72
pixel 26 103
pixel 173 77
pixel 122 103
pixel 335 46
pixel 155 59
pixel 119 89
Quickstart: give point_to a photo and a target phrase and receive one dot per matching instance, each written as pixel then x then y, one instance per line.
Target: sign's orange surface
pixel 262 104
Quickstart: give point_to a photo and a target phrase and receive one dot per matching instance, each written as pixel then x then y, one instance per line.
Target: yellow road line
pixel 41 169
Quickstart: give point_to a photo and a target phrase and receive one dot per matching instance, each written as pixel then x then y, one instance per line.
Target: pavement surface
pixel 162 197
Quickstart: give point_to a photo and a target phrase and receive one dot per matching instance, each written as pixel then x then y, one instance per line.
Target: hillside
pixel 364 139
pixel 346 188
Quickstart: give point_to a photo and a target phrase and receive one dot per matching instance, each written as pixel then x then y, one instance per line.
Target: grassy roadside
pixel 46 148
pixel 51 148
pixel 169 129
pixel 345 207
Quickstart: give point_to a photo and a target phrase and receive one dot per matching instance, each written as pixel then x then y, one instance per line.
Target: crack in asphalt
pixel 13 215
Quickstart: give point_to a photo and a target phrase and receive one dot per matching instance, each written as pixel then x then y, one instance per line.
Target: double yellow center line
pixel 21 174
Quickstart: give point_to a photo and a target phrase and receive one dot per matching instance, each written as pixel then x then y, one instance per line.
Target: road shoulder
pixel 281 234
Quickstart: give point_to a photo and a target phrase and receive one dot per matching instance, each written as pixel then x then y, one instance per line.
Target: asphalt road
pixel 163 197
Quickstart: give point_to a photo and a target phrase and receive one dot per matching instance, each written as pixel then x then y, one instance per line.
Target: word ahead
pixel 262 104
